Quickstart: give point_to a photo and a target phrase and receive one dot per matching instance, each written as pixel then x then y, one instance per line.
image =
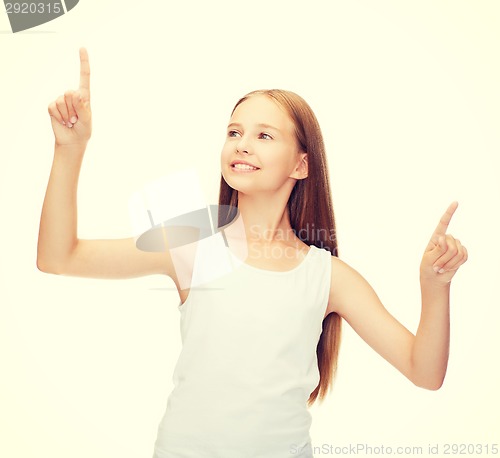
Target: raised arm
pixel 423 357
pixel 443 256
pixel 59 249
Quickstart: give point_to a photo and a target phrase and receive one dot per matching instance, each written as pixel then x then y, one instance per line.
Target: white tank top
pixel 248 364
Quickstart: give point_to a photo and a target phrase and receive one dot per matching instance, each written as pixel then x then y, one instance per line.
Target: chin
pixel 239 185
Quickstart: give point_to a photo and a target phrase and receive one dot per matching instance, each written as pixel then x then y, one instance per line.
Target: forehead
pixel 261 109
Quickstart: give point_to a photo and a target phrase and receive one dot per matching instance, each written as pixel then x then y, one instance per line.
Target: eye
pixel 233 133
pixel 265 136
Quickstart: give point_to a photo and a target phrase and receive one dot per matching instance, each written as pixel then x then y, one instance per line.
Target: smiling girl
pixel 260 344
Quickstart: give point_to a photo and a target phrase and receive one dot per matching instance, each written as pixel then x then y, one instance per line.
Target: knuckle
pixel 68 93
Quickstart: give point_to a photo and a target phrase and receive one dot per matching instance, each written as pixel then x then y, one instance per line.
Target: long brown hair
pixel 311 216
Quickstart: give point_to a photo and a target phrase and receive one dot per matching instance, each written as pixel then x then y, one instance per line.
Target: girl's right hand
pixel 70 113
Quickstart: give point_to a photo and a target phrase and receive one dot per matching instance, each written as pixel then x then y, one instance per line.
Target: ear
pixel 301 170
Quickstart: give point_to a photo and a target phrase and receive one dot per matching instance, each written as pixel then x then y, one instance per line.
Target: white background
pixel 407 94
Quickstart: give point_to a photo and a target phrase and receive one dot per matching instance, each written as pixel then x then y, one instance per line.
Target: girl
pixel 260 343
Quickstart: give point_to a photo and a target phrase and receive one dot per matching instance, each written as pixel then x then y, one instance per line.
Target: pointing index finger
pixel 84 73
pixel 444 222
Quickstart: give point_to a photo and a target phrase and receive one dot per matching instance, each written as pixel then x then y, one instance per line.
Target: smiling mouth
pixel 244 167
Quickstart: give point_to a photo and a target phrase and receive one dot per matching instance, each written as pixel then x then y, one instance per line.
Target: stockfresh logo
pixel 26 15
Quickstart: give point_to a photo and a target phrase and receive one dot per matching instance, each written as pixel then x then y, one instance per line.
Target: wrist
pixel 75 148
pixel 434 283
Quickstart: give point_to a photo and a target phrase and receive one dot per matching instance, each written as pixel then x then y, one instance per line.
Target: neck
pixel 263 218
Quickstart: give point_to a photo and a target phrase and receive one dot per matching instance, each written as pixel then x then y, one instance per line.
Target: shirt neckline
pixel 181 306
pixel 273 272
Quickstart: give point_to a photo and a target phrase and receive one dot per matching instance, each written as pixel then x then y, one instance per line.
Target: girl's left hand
pixel 444 253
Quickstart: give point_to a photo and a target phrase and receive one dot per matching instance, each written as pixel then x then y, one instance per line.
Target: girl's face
pixel 262 134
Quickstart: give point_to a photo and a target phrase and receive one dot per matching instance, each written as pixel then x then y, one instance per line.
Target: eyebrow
pixel 261 125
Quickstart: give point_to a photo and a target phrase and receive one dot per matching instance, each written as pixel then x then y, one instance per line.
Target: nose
pixel 243 145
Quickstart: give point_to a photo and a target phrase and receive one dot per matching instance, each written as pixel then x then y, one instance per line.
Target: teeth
pixel 244 167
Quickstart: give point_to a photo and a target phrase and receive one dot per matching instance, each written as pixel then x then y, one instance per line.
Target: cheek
pixel 225 152
pixel 281 161
pixel 225 157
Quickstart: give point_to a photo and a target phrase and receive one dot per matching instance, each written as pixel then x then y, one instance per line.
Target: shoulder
pixel 347 287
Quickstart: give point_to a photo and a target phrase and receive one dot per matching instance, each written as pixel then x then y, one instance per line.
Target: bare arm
pixel 442 258
pixel 59 249
pixel 422 357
